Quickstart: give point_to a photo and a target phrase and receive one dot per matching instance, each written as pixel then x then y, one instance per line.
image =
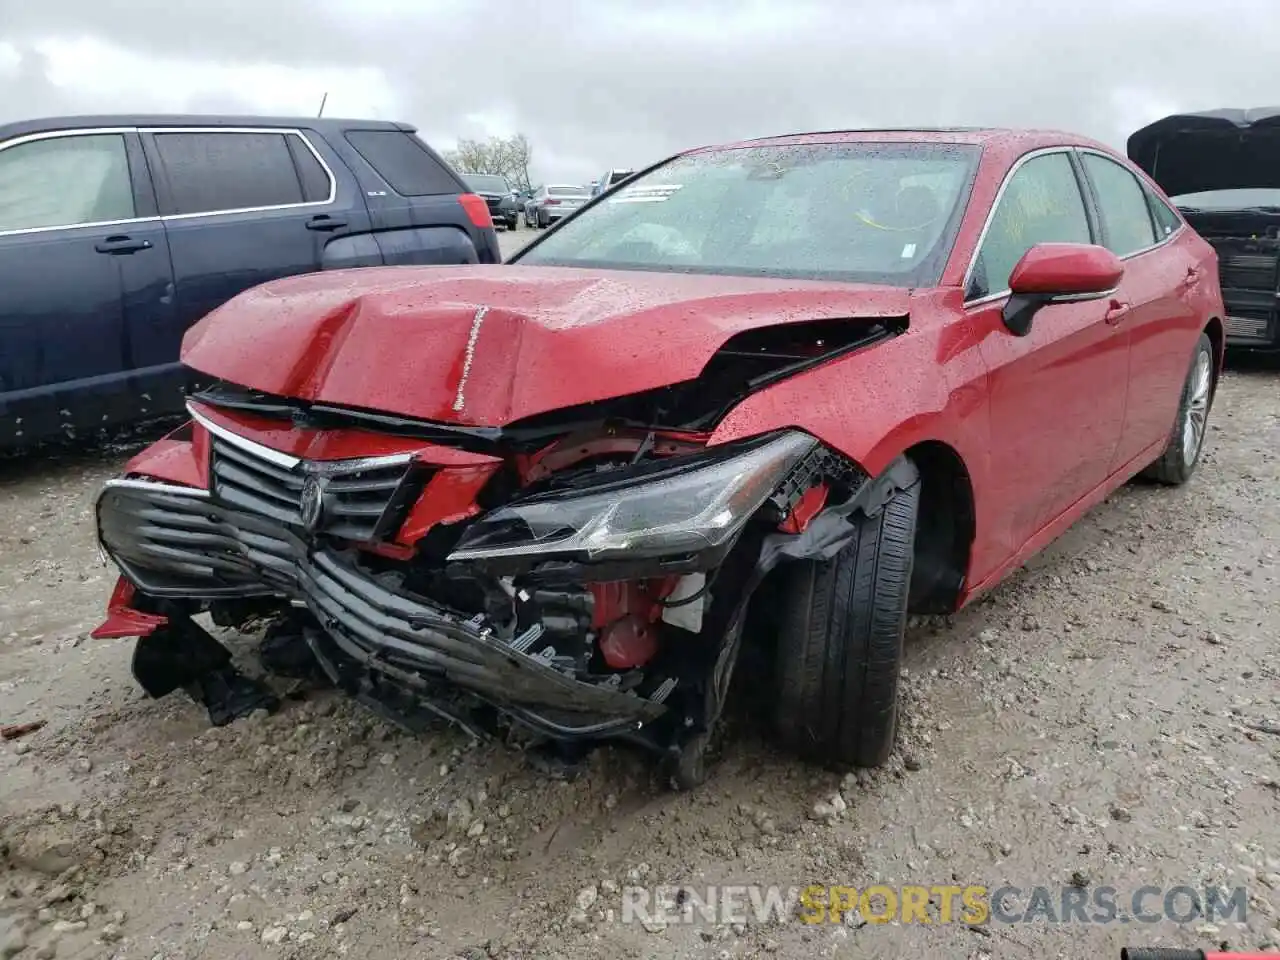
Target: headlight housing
pixel 677 506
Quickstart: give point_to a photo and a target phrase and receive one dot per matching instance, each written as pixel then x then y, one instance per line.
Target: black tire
pixel 513 223
pixel 1177 463
pixel 840 641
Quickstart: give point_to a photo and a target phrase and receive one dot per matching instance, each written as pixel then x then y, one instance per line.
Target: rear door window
pixel 65 182
pixel 1126 218
pixel 211 172
pixel 1041 203
pixel 402 161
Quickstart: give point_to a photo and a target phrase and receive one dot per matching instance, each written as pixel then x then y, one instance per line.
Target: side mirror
pixel 1058 273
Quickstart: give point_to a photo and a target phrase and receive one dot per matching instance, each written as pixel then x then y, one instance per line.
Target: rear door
pixel 242 206
pixel 1057 395
pixel 84 279
pixel 413 198
pixel 1151 307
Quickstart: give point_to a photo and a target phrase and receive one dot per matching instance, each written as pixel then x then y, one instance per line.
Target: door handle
pixel 325 223
pixel 1116 312
pixel 121 245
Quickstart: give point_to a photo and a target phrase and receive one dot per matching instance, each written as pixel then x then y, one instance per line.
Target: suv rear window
pixel 402 160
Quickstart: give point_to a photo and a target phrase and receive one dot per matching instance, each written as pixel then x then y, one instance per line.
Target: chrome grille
pixel 1247 328
pixel 179 542
pixel 362 499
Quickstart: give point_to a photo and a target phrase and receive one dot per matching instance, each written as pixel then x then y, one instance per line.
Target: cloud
pixel 600 83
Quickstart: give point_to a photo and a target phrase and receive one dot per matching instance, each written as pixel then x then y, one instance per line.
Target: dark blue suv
pixel 118 233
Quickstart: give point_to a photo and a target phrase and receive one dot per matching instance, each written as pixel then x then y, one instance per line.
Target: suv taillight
pixel 477 210
pixel 552 201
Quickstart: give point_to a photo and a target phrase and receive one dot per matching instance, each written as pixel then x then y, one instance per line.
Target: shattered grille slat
pixel 362 501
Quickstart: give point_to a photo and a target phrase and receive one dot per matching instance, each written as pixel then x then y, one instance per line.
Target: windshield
pixel 567 191
pixel 487 183
pixel 871 212
pixel 1228 199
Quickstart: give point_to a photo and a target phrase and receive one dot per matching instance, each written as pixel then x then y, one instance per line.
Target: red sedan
pixel 749 409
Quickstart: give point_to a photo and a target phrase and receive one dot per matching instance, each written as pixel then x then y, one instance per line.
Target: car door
pixel 85 275
pixel 1056 395
pixel 241 207
pixel 1151 307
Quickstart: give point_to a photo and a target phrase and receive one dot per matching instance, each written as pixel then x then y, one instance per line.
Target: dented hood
pixel 488 345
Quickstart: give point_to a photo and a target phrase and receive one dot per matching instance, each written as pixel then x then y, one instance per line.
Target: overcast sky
pixel 603 83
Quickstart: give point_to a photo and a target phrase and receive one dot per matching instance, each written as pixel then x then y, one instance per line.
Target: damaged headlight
pixel 681 505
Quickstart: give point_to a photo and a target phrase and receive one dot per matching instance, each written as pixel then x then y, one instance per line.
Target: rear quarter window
pixel 1167 222
pixel 402 160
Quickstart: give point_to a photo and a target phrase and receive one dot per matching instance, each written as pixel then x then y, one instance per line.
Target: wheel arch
pixel 1218 338
pixel 945 529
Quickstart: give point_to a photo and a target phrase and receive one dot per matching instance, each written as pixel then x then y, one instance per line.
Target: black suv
pixel 118 233
pixel 498 194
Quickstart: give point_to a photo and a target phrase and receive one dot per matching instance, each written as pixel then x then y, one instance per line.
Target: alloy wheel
pixel 1195 418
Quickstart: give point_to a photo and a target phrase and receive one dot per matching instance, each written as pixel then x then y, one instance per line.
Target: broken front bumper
pixel 177 542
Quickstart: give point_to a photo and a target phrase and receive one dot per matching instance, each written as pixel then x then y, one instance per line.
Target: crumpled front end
pixel 586 573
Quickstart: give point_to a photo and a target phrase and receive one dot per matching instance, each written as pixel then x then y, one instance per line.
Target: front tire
pixel 840 641
pixel 1178 461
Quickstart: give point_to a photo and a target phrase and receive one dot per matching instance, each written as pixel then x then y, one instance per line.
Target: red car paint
pixel 1044 425
pixel 124 621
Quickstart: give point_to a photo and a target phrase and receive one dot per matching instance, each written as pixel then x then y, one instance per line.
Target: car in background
pixel 523 197
pixel 609 179
pixel 118 233
pixel 552 202
pixel 661 447
pixel 498 194
pixel 1222 169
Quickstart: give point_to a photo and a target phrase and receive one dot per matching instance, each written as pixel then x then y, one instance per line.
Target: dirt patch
pixel 1109 717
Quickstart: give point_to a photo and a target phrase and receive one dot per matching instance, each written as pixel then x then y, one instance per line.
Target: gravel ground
pixel 1110 716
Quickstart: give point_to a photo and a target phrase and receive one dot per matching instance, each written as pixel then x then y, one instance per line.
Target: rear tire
pixel 840 641
pixel 1178 461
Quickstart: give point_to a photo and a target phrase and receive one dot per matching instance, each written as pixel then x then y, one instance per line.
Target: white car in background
pixel 552 202
pixel 610 178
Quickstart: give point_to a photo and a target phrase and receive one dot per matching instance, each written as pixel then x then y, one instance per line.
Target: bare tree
pixel 508 156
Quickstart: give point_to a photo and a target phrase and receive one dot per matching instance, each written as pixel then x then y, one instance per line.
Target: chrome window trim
pixel 995 205
pixel 58 134
pixel 1161 241
pixel 100 131
pixel 290 462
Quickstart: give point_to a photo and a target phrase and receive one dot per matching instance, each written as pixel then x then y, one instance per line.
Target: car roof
pixel 962 135
pixel 323 125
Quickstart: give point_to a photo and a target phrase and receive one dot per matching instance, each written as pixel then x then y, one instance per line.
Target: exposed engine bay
pixel 585 574
pixel 1248 246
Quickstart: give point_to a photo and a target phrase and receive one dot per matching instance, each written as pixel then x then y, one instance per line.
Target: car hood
pixel 1216 150
pixel 487 345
